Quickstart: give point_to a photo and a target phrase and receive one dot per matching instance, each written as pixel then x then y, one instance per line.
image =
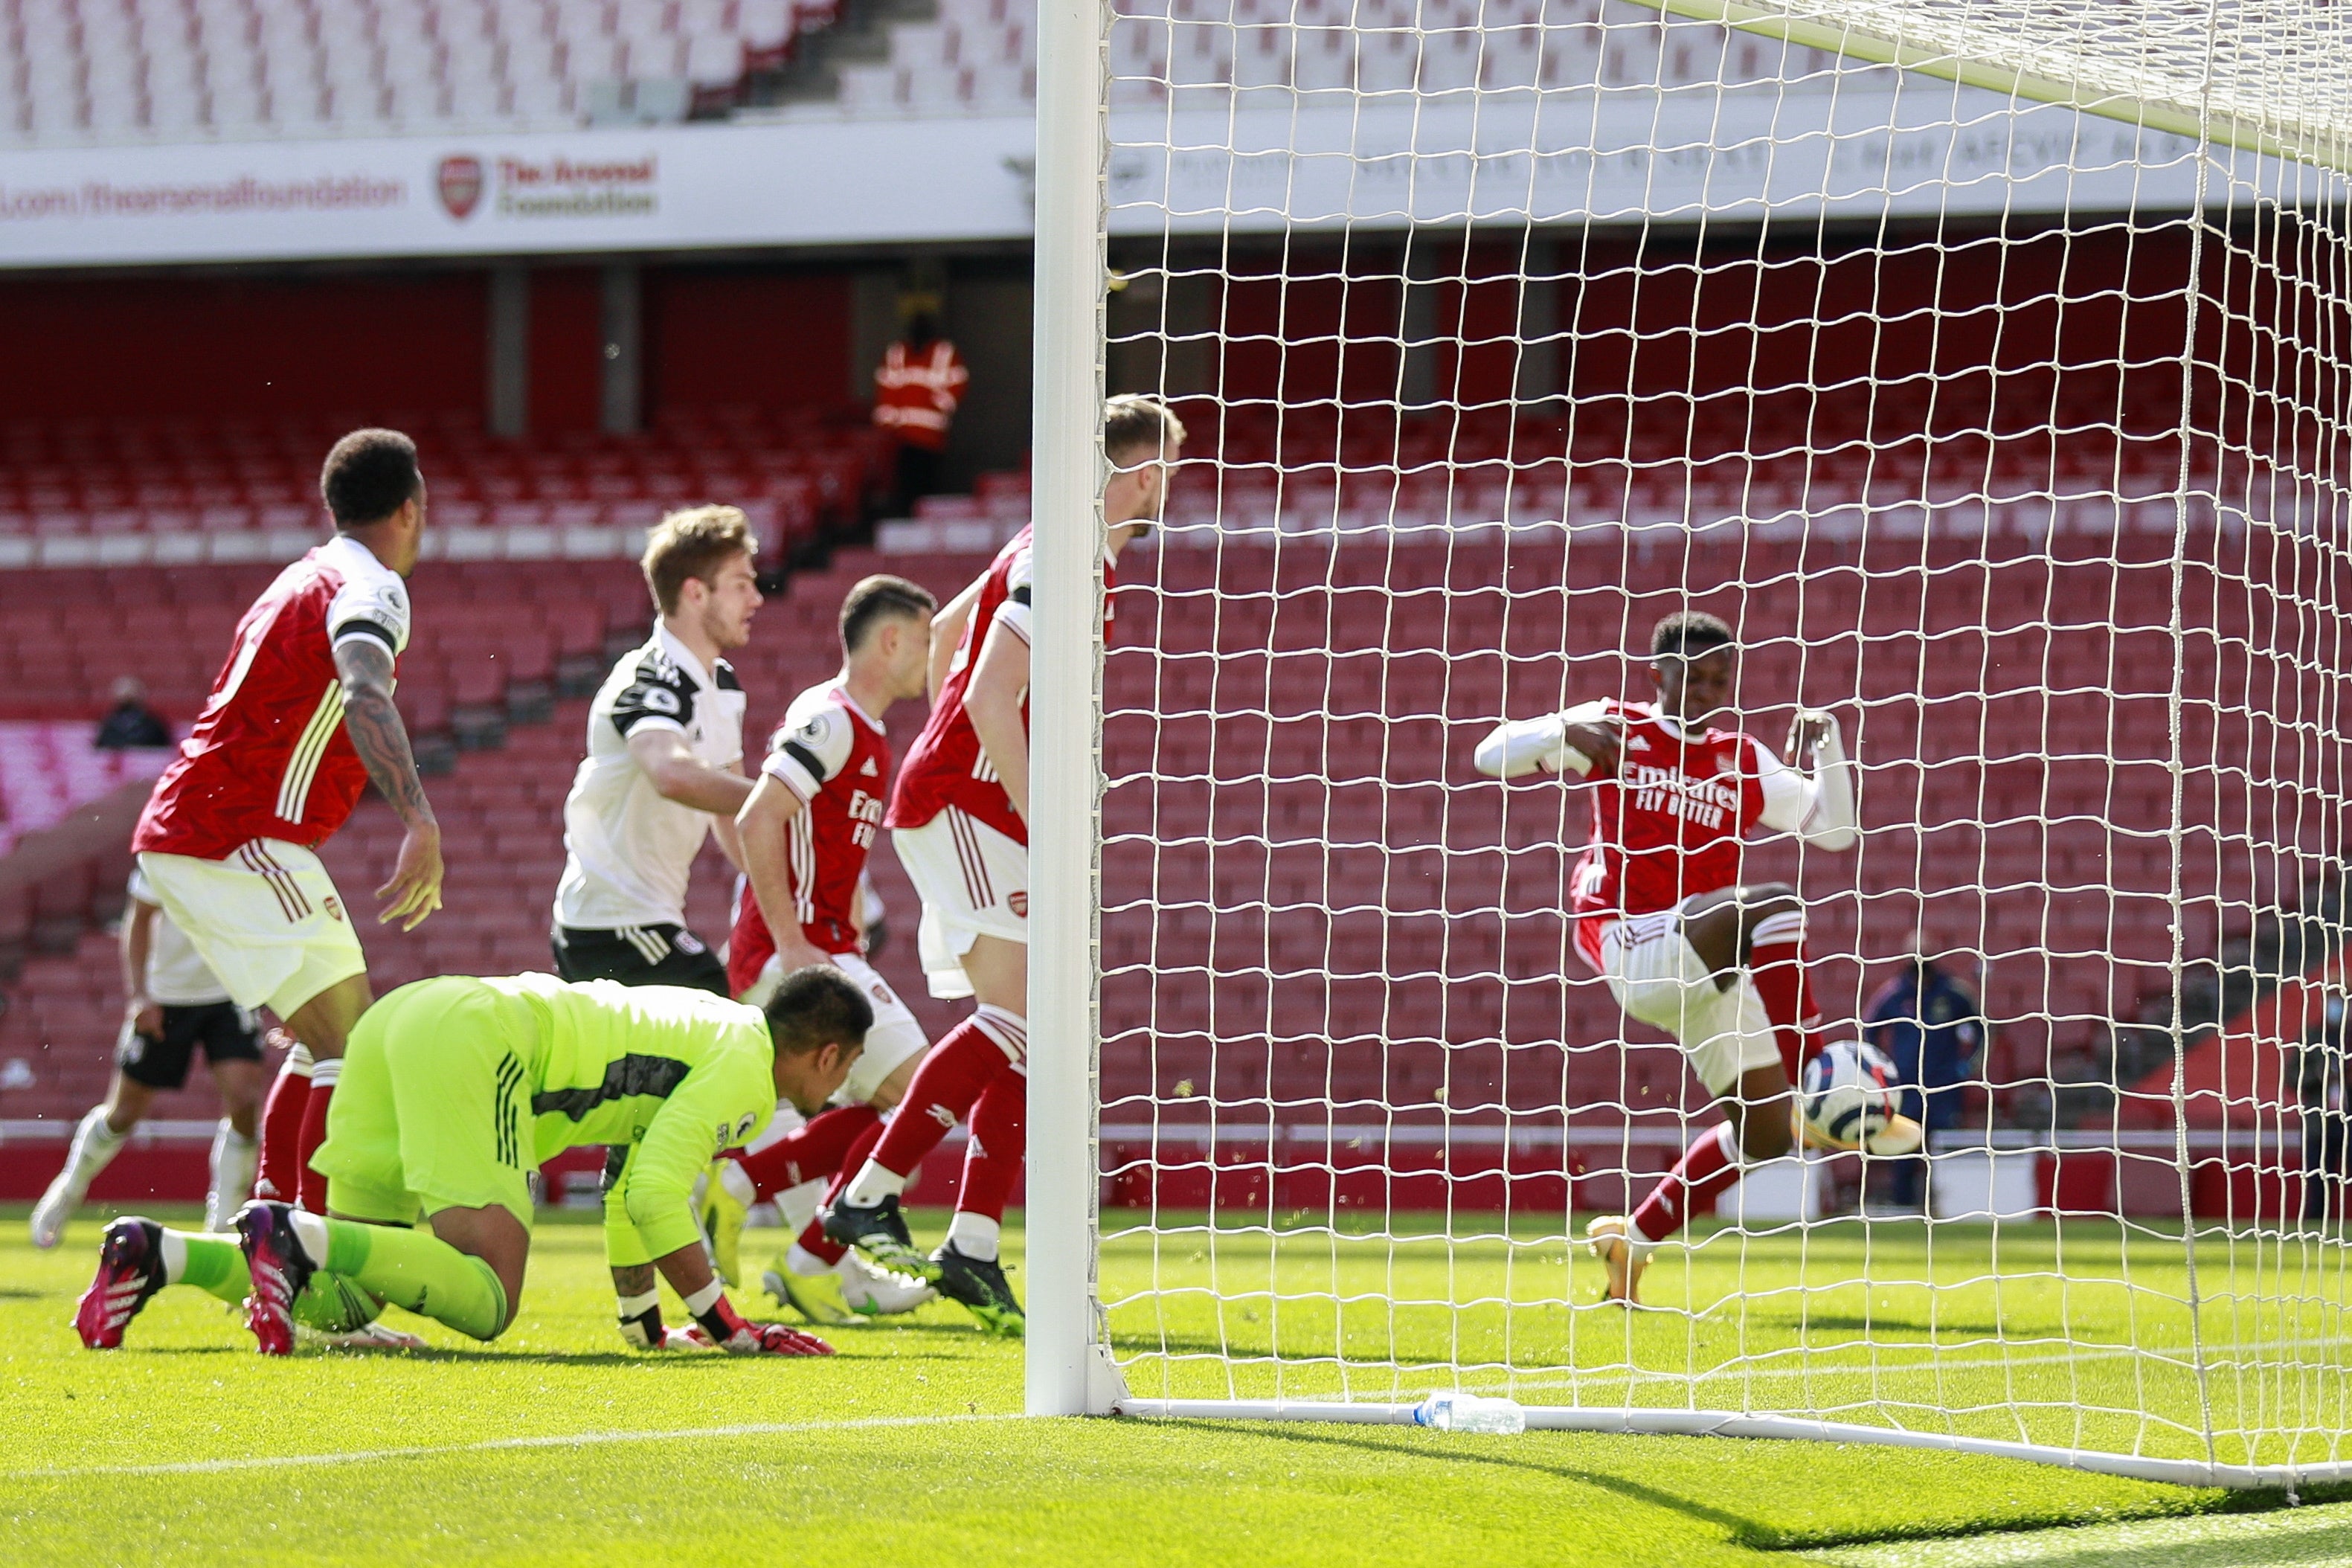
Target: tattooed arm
pixel 381 742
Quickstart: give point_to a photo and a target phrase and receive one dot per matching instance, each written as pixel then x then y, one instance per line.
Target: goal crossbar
pixel 2099 58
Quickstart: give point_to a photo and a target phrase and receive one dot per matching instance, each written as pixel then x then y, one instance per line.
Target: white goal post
pixel 1988 369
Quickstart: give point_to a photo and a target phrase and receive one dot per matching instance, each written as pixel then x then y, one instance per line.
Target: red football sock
pixel 811 1151
pixel 999 1139
pixel 814 1237
pixel 951 1079
pixel 281 1129
pixel 314 1130
pixel 816 1244
pixel 1707 1167
pixel 1776 962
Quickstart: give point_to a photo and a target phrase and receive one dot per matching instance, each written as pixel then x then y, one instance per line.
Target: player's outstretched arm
pixel 382 741
pixel 679 774
pixel 1580 740
pixel 1816 798
pixel 654 1194
pixel 992 701
pixel 688 1269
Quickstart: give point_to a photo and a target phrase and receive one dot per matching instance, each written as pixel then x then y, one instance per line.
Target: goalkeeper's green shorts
pixel 433 1111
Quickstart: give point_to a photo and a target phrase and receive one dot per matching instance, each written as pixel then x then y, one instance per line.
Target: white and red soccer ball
pixel 1849 1093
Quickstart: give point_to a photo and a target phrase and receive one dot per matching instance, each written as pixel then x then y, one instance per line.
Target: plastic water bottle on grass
pixel 1453 1411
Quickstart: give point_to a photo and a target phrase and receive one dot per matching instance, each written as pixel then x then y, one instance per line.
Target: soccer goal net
pixel 1982 369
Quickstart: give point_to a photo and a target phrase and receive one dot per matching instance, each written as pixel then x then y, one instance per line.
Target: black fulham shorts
pixel 226 1031
pixel 639 955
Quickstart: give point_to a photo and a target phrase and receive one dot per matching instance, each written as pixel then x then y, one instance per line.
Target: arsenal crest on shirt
pixel 459 181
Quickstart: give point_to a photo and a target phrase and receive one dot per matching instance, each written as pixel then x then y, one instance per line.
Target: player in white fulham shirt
pixel 664 768
pixel 172 1005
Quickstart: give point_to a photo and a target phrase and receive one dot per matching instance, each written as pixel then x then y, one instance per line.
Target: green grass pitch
pixel 557 1446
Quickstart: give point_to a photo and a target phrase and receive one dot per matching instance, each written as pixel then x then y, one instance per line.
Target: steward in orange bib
pixel 917 388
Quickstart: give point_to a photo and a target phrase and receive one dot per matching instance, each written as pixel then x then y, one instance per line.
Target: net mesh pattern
pixel 2011 436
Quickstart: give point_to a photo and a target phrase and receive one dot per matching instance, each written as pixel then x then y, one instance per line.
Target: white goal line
pixel 498 1445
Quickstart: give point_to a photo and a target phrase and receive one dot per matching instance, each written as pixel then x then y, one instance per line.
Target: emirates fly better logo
pixel 459 182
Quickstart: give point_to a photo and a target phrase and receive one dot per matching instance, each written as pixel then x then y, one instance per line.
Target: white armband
pixel 1515 749
pixel 1830 807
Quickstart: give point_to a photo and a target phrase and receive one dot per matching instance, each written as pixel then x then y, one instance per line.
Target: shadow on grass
pixel 1743 1531
pixel 489 1355
pixel 1859 1323
pixel 2193 1501
pixel 2283 1551
pixel 2314 1547
pixel 2286 1549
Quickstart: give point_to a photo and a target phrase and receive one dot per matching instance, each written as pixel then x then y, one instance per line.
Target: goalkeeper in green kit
pixel 454 1091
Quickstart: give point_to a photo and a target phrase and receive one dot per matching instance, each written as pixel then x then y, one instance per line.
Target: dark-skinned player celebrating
pixel 1663 916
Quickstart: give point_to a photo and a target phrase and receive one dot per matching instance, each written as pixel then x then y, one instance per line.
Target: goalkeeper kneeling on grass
pixel 453 1091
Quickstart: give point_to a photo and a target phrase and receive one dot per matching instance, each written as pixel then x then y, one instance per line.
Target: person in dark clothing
pixel 1930 1026
pixel 2325 1109
pixel 131 723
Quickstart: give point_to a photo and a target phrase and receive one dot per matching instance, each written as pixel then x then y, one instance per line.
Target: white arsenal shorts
pixel 974 882
pixel 895 1038
pixel 1659 978
pixel 266 921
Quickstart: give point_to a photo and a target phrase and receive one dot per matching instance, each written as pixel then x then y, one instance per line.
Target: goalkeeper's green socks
pixel 215 1264
pixel 209 1262
pixel 411 1269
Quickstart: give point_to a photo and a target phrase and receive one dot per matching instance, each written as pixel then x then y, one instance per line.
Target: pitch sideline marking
pixel 495 1445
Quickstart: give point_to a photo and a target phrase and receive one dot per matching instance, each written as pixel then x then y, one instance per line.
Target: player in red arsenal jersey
pixel 959 819
pixel 300 720
pixel 1661 912
pixel 807 829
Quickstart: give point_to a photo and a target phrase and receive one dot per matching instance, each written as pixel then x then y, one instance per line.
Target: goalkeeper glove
pixel 729 1330
pixel 641 1325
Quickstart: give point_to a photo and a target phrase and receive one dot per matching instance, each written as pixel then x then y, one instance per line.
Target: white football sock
pixel 974 1236
pixel 175 1255
pixel 799 1260
pixel 873 1185
pixel 234 1157
pixel 796 1206
pixel 737 1183
pixel 310 1231
pixel 95 1145
pixel 783 1124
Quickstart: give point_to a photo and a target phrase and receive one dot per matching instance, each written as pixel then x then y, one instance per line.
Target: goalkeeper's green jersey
pixel 668 1075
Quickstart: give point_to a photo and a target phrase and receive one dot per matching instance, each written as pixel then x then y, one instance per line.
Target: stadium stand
pixel 981 54
pixel 796 471
pixel 96 71
pixel 116 70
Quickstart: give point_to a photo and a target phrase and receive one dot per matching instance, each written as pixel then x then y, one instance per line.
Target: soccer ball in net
pixel 1849 1097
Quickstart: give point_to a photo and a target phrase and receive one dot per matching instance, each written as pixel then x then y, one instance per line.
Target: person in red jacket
pixel 917 389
